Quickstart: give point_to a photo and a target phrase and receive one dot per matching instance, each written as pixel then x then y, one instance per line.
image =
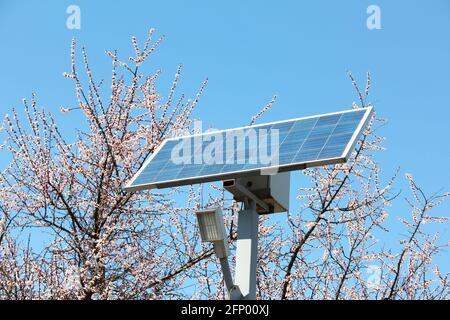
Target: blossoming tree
pixel 104 243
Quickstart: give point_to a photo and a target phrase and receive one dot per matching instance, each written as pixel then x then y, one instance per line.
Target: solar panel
pixel 284 145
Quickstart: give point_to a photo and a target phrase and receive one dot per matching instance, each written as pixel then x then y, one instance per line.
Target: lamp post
pixel 212 229
pixel 260 194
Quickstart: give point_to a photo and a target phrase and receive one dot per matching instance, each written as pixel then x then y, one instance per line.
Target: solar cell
pixel 285 145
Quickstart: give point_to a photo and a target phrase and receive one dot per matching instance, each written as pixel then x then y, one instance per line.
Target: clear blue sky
pixel 250 50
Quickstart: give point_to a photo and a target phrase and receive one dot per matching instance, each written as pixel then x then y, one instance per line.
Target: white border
pixel 292 166
pixel 362 124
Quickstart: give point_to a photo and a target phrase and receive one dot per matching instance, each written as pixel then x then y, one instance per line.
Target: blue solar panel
pixel 286 145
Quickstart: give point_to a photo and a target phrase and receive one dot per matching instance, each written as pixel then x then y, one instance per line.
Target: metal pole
pixel 246 250
pixel 226 273
pixel 233 291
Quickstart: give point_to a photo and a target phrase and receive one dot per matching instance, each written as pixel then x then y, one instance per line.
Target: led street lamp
pixel 212 229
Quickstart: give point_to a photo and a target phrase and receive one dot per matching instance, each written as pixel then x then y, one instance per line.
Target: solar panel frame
pixel 130 187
